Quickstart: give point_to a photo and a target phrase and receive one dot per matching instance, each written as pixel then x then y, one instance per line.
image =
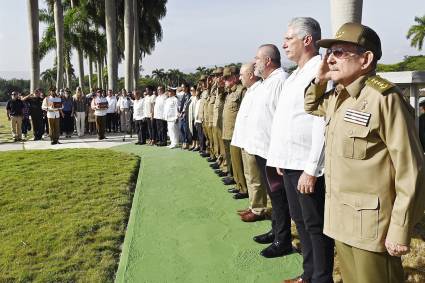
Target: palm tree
pixel 35 57
pixel 417 32
pixel 48 77
pixel 58 16
pixel 344 11
pixel 111 35
pixel 159 75
pixel 129 36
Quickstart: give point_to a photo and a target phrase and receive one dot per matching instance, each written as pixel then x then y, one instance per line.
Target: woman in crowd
pixel 80 109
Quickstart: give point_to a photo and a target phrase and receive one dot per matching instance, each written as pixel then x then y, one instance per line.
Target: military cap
pixel 202 78
pixel 218 71
pixel 356 34
pixel 227 72
pixel 234 70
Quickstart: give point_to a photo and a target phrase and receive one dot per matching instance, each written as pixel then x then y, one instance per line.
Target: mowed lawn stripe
pixel 63 214
pixel 184 227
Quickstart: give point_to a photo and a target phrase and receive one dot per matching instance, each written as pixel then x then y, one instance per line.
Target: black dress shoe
pixel 227 179
pixel 214 166
pixel 233 191
pixel 266 238
pixel 212 159
pixel 229 182
pixel 240 195
pixel 222 174
pixel 276 250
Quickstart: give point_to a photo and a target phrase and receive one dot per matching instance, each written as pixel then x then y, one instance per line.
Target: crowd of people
pixel 332 147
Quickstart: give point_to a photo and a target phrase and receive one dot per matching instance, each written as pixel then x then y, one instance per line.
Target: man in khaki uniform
pixel 217 120
pixel 232 103
pixel 374 165
pixel 209 124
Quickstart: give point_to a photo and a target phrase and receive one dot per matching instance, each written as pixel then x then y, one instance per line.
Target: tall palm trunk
pixel 34 41
pixel 344 11
pixel 80 67
pixel 136 48
pixel 68 70
pixel 90 73
pixel 58 15
pixel 111 37
pixel 128 43
pixel 99 74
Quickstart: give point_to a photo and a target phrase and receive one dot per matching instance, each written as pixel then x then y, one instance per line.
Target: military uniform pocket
pixel 360 214
pixel 355 142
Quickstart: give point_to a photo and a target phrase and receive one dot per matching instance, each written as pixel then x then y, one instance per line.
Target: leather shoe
pixel 227 179
pixel 217 171
pixel 266 238
pixel 229 182
pixel 240 195
pixel 211 159
pixel 233 191
pixel 296 280
pixel 243 211
pixel 222 174
pixel 214 166
pixel 275 250
pixel 251 217
pixel 205 154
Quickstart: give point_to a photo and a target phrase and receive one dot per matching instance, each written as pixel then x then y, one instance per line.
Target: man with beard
pixel 268 67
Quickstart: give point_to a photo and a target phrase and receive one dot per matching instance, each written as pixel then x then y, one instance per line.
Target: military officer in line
pixel 232 103
pixel 221 166
pixel 209 113
pixel 374 163
pixel 205 95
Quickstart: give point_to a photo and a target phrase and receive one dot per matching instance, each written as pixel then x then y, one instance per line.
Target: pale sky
pixel 207 33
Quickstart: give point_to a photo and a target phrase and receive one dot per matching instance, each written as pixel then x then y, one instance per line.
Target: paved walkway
pixel 74 142
pixel 183 227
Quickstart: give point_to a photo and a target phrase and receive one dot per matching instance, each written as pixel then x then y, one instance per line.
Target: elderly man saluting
pixel 374 164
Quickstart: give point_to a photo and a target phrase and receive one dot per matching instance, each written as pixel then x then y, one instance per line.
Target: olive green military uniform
pixel 374 174
pixel 231 108
pixel 218 129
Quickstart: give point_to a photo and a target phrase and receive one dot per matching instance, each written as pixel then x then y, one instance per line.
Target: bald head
pixel 246 75
pixel 271 51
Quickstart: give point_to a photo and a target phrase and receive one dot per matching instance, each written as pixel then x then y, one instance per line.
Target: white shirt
pixel 48 106
pixel 138 109
pixel 112 104
pixel 123 102
pixel 197 108
pixel 95 102
pixel 242 129
pixel 158 110
pixel 261 116
pixel 297 138
pixel 149 104
pixel 170 109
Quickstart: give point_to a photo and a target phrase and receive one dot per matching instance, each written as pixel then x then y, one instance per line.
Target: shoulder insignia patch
pixel 379 84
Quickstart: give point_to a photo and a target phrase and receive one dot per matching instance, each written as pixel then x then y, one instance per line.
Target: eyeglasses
pixel 341 53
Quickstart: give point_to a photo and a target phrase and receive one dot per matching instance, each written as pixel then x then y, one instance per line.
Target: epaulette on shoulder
pixel 380 84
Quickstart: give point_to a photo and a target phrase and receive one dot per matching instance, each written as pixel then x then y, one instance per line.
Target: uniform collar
pixel 355 87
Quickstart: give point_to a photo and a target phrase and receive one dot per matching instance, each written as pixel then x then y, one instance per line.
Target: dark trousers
pixel 37 125
pixel 185 132
pixel 161 131
pixel 26 126
pixel 151 129
pixel 140 126
pixel 281 221
pixel 307 211
pixel 67 123
pixel 100 126
pixel 201 136
pixel 111 122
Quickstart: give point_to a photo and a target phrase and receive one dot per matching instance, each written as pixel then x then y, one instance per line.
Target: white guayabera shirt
pixel 297 138
pixel 158 111
pixel 241 131
pixel 262 112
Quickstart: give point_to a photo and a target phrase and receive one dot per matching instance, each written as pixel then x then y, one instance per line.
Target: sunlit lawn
pixel 63 214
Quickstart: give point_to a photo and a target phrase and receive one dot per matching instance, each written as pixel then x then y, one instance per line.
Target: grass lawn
pixel 64 214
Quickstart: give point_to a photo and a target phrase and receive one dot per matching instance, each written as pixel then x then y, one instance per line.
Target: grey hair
pixel 304 26
pixel 271 51
pixel 249 67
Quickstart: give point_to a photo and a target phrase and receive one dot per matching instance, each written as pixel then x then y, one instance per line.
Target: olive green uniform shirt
pixel 374 165
pixel 217 119
pixel 230 110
